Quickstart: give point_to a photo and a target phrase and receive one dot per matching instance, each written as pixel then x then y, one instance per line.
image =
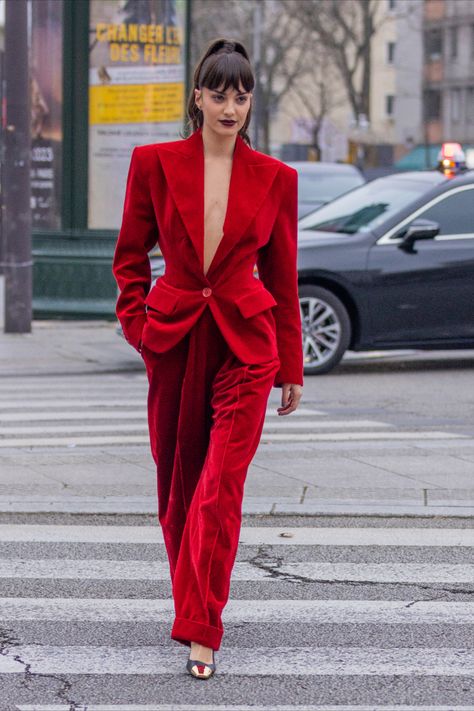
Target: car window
pixel 454 214
pixel 320 187
pixel 366 207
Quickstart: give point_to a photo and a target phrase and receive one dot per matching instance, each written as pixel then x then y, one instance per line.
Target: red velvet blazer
pixel 164 203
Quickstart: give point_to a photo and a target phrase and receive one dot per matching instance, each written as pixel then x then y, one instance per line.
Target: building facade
pixel 395 123
pixel 448 71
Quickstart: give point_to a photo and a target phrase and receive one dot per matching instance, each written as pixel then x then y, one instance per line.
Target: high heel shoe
pixel 201 670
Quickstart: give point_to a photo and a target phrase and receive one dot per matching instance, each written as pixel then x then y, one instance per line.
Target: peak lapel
pixel 183 165
pixel 251 179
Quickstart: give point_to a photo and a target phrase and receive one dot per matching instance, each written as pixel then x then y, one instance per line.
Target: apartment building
pixel 448 71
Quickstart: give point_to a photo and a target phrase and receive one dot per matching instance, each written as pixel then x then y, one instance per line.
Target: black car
pixel 389 265
pixel 319 183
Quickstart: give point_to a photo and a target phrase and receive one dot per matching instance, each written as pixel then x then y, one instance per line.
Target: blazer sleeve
pixel 131 265
pixel 277 268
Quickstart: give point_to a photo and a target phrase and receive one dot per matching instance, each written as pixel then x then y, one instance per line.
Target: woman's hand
pixel 290 398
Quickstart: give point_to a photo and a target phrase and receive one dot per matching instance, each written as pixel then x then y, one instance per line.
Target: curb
pixel 252 505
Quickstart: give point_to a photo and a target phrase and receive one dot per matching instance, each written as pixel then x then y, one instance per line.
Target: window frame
pixel 390 99
pixel 388 239
pixel 390 56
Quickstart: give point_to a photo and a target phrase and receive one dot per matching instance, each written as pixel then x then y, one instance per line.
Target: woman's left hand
pixel 290 398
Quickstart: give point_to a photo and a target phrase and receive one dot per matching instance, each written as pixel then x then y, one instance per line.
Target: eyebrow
pixel 240 93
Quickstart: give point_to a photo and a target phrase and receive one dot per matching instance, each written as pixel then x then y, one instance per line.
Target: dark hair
pixel 224 62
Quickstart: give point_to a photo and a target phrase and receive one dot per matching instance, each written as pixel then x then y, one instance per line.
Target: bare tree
pixel 284 46
pixel 319 93
pixel 344 28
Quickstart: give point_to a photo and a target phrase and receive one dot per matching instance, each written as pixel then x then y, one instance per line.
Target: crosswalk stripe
pixel 385 612
pixel 73 429
pixel 309 571
pixel 78 441
pixel 336 436
pixel 68 385
pixel 45 403
pixel 96 415
pixel 249 535
pixel 239 707
pixel 140 427
pixel 105 414
pixel 354 661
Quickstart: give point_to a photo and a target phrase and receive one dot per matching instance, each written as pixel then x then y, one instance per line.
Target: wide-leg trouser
pixel 206 411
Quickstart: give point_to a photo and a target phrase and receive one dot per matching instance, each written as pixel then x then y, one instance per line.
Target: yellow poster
pixel 136 92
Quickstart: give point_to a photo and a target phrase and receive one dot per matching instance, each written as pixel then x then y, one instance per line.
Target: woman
pixel 214 338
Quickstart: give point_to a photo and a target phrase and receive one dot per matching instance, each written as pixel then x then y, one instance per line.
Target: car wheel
pixel 326 329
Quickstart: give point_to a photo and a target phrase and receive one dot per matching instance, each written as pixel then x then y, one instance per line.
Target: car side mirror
pixel 418 229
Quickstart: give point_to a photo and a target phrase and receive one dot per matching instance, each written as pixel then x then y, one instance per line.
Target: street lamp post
pixel 16 173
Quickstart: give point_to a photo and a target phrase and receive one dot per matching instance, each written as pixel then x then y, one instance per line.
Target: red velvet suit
pixel 213 346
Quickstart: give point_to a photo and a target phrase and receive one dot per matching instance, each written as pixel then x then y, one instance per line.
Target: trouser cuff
pixel 185 631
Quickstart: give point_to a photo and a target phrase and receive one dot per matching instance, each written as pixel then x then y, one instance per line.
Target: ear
pixel 197 95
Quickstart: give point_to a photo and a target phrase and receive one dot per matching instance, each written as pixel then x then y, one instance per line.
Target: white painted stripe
pixel 285 423
pixel 251 611
pixel 96 415
pixel 308 661
pixel 78 441
pixel 153 570
pixel 68 384
pixel 73 441
pixel 45 403
pixel 142 427
pixel 76 429
pixel 239 707
pixel 249 535
pixel 352 536
pixel 336 437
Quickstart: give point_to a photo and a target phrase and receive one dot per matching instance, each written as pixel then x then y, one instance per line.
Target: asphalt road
pixel 343 612
pixel 339 613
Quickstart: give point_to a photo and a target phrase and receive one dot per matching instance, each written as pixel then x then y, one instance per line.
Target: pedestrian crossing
pixel 110 409
pixel 367 615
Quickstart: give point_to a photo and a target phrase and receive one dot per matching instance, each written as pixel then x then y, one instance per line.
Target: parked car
pixel 389 265
pixel 319 183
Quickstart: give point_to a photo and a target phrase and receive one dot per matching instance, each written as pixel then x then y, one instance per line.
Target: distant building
pixel 396 79
pixel 395 124
pixel 448 71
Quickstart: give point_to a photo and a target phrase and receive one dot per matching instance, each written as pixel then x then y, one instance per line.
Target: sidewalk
pixel 66 348
pixel 284 479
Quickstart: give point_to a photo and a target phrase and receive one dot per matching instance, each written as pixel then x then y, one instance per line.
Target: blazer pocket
pixel 160 299
pixel 255 302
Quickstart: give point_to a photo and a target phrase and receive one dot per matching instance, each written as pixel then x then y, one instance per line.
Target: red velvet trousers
pixel 206 411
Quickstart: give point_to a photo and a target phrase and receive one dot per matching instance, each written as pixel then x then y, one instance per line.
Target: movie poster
pixel 46 114
pixel 136 92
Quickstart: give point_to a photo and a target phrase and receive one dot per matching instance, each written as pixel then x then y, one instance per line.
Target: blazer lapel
pixel 251 178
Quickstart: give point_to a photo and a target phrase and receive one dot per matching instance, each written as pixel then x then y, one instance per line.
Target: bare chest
pixel 216 193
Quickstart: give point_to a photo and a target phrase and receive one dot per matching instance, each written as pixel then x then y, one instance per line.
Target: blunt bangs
pixel 228 70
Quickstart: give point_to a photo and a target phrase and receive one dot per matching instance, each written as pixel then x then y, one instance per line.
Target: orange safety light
pixel 451 159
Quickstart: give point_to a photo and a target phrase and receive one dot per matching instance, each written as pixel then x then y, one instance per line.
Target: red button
pixel 206 291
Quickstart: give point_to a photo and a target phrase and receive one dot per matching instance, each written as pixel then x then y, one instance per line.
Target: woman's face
pixel 218 106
